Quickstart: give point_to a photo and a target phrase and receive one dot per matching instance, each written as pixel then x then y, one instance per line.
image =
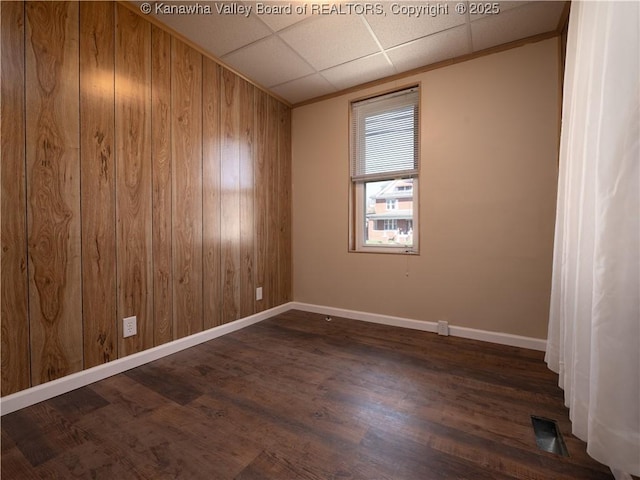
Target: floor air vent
pixel 548 436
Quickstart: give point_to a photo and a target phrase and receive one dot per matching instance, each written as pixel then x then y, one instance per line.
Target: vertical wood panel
pixel 97 168
pixel 186 87
pixel 247 187
pixel 266 199
pixel 133 178
pixel 53 189
pixel 230 201
pixel 272 205
pixel 15 322
pixel 261 212
pixel 162 192
pixel 284 207
pixel 211 235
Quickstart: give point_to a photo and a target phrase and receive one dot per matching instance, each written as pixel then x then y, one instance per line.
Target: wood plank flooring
pixel 300 397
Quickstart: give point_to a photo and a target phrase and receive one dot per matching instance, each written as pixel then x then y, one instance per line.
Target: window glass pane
pixel 389 141
pixel 385 140
pixel 389 213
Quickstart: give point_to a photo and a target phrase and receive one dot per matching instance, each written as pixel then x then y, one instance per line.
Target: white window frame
pixel 358 200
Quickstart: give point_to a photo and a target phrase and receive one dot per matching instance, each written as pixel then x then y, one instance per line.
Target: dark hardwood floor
pixel 299 397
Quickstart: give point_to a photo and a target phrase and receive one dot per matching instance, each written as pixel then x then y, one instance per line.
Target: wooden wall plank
pixel 16 373
pixel 284 207
pixel 97 169
pixel 211 235
pixel 247 188
pixel 230 198
pixel 273 214
pixel 53 189
pixel 263 132
pixel 186 88
pixel 133 178
pixel 162 185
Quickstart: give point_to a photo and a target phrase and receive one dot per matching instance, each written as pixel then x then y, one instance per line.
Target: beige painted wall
pixel 487 199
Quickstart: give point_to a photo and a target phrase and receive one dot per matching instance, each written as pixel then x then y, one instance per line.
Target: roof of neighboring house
pixel 389 191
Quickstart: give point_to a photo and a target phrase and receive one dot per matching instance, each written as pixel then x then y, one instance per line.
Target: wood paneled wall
pixel 138 178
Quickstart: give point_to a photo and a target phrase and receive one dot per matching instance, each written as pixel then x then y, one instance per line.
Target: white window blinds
pixel 385 136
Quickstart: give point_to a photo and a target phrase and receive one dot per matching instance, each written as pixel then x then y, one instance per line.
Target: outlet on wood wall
pixel 139 177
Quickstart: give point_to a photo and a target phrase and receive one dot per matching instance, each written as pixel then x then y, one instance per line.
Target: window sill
pixel 386 250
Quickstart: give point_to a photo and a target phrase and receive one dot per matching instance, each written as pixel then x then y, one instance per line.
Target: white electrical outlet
pixel 443 327
pixel 129 327
pixel 259 293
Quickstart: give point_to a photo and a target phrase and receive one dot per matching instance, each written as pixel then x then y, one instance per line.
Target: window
pixel 391 224
pixel 384 165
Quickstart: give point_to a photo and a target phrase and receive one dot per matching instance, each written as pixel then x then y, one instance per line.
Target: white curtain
pixel 594 324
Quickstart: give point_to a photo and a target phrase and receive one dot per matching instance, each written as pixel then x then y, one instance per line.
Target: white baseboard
pixel 48 390
pixel 45 391
pixel 366 317
pixel 464 332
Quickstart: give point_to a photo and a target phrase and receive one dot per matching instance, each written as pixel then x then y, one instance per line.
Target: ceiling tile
pixel 286 51
pixel 394 29
pixel 269 62
pixel 216 33
pixel 304 88
pixel 521 22
pixel 330 40
pixel 276 19
pixel 359 71
pixel 432 49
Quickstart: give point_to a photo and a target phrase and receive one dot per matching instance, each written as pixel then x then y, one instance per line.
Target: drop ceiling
pixel 328 47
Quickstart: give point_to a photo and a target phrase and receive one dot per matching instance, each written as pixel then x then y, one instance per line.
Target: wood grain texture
pixel 133 178
pixel 295 397
pixel 161 130
pixel 264 130
pixel 53 189
pixel 247 189
pixel 97 168
pixel 230 196
pixel 16 373
pixel 137 179
pixel 186 88
pixel 211 234
pixel 273 205
pixel 284 206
